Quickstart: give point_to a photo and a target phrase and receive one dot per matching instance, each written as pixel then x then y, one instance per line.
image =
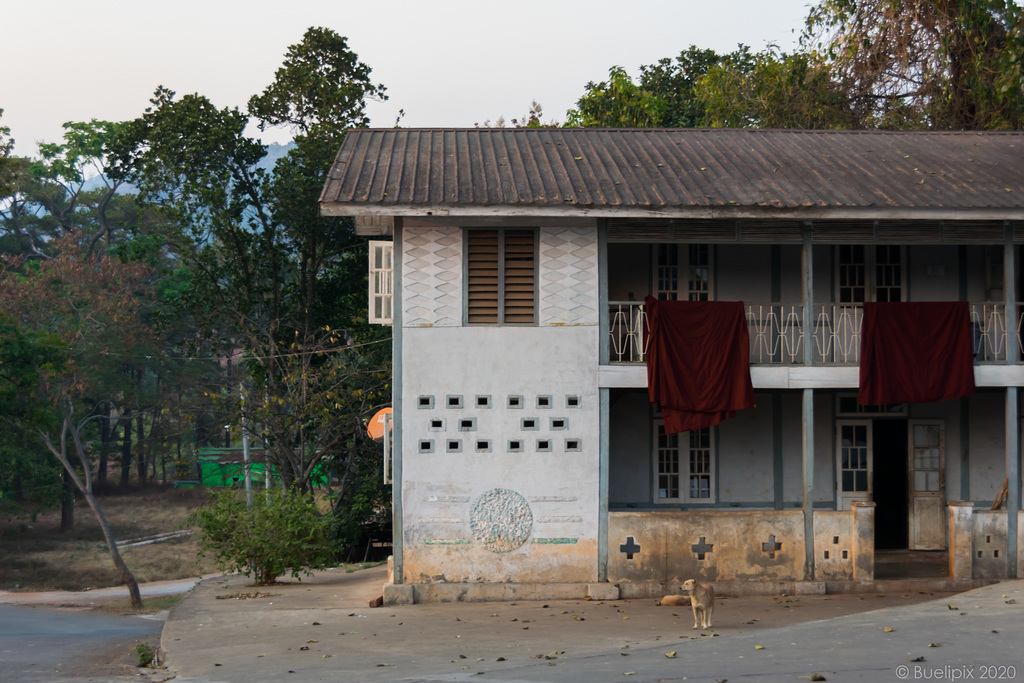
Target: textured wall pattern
pixel 432 277
pixel 501 520
pixel 568 276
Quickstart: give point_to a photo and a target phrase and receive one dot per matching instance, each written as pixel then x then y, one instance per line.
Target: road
pixel 48 643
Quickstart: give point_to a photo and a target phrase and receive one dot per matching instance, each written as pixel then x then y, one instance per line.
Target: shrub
pixel 277 534
pixel 146 653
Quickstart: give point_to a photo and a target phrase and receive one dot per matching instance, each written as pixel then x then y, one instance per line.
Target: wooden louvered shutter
pixel 519 269
pixel 501 276
pixel 482 276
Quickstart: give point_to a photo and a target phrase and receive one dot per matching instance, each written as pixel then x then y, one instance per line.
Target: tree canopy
pixel 889 64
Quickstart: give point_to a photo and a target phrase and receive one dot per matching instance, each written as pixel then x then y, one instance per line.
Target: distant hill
pixel 274 152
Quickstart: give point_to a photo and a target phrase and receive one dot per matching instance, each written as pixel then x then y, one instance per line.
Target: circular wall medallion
pixel 501 520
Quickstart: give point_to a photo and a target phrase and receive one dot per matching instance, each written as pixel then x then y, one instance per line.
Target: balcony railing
pixel 777 338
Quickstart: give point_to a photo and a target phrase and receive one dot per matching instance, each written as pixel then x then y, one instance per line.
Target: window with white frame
pixel 683 467
pixel 682 272
pixel 381 282
pixel 869 273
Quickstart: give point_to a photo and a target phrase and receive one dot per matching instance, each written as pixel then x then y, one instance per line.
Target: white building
pixel 528 460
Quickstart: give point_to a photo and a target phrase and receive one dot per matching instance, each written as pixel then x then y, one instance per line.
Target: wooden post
pixel 807 271
pixel 1012 401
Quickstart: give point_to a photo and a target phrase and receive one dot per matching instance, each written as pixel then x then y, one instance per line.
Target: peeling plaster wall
pixel 988 559
pixel 834 545
pixel 671 546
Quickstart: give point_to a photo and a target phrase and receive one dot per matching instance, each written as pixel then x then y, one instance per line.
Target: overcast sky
pixel 447 63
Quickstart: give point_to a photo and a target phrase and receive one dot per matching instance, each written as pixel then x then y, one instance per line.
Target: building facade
pixel 527 457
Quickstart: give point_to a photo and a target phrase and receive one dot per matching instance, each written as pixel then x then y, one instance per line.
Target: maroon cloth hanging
pixel 698 361
pixel 915 352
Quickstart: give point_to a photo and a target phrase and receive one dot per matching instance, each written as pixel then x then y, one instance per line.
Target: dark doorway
pixel 890 484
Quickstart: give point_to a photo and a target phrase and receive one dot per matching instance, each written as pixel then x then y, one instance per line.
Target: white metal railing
pixel 777 338
pixel 627 322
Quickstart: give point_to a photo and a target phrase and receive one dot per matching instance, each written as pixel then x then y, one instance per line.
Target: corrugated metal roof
pixel 678 171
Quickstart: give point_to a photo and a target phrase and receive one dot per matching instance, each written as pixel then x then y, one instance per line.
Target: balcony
pixel 777 336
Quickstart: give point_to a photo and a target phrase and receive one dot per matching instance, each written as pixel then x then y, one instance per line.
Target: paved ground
pixel 322 630
pixel 46 644
pixel 54 636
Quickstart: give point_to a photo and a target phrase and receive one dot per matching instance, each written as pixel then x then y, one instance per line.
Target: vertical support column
pixel 961 539
pixel 1012 401
pixel 808 481
pixel 397 523
pixel 602 505
pixel 807 272
pixel 604 409
pixel 863 540
pixel 1012 478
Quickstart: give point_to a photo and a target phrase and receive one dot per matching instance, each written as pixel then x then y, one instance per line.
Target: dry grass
pixel 36 556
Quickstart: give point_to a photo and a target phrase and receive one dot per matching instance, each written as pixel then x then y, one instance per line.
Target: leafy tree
pixel 617 103
pixel 259 255
pixel 953 64
pixel 676 82
pixel 773 89
pixel 6 147
pixel 95 307
pixel 665 96
pixel 27 482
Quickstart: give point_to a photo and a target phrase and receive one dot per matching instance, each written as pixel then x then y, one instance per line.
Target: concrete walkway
pixel 321 629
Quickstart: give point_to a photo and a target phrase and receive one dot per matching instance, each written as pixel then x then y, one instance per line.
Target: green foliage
pixel 277 534
pixel 773 90
pixel 666 95
pixel 28 482
pixel 6 146
pixel 617 103
pixel 940 64
pixel 146 653
pixel 263 275
pixel 945 64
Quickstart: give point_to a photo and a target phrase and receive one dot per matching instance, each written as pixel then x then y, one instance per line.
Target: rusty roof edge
pixel 797 213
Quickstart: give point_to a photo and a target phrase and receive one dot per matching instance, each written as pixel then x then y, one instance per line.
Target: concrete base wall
pixel 978 542
pixel 671 546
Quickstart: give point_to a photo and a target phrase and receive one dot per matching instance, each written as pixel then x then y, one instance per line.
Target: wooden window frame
pixel 685 453
pixel 501 275
pixel 381 282
pixel 675 267
pixel 869 274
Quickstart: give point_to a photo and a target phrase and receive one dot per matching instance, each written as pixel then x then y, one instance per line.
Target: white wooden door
pixel 853 462
pixel 927 484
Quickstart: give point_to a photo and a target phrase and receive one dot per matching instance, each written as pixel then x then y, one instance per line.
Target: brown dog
pixel 702 600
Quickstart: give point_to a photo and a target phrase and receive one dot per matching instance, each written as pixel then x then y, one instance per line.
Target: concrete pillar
pixel 863 540
pixel 961 539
